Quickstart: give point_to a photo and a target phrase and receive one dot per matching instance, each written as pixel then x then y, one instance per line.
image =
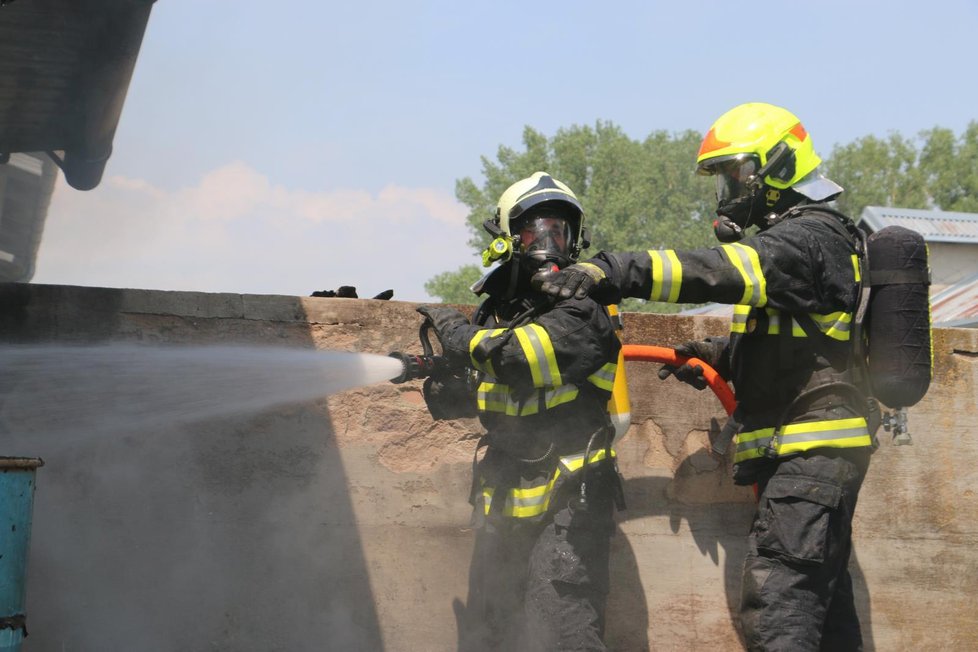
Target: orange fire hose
pixel 665 355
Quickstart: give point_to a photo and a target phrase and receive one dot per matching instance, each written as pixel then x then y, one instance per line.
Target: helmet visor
pixel 731 176
pixel 544 234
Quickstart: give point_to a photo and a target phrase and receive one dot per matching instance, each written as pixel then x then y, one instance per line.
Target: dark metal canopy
pixel 65 67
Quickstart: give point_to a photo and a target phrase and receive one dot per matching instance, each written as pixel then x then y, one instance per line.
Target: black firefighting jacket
pixel 794 287
pixel 542 394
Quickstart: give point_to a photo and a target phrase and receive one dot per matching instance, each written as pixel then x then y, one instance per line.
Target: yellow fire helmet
pixel 770 137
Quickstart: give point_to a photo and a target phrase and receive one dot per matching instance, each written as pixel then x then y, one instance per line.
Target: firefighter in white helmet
pixel 545 491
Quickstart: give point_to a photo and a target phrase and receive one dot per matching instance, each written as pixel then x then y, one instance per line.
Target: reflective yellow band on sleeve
pixel 667 275
pixel 478 337
pixel 540 356
pixel 748 263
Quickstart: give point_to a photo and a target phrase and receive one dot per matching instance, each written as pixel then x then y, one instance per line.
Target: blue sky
pixel 281 148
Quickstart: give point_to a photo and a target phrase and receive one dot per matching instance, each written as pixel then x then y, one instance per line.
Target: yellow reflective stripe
pixel 498 398
pixel 573 463
pixel 540 356
pixel 855 268
pixel 836 433
pixel 747 262
pixel 739 322
pixel 604 378
pixel 478 337
pixel 836 325
pixel 523 502
pixel 491 397
pixel 797 437
pixel 667 275
pixel 526 502
pixel 774 324
pixel 560 395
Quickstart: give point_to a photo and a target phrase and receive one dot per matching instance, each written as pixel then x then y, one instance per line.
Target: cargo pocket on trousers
pixel 796 515
pixel 579 557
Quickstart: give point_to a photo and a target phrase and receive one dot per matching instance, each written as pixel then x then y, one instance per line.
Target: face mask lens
pixel 545 234
pixel 731 177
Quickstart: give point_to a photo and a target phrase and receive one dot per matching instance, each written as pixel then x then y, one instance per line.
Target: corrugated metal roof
pixel 26 185
pixel 65 68
pixel 957 305
pixel 935 226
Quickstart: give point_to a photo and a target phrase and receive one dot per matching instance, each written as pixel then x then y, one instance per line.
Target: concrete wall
pixel 341 523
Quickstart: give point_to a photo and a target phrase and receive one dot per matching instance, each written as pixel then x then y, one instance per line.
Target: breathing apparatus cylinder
pixel 900 355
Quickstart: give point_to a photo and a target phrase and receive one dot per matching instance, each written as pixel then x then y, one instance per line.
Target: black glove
pixel 578 281
pixel 444 321
pixel 712 351
pixel 449 397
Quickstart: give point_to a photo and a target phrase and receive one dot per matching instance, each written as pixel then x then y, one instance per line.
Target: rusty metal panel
pixel 934 225
pixel 957 305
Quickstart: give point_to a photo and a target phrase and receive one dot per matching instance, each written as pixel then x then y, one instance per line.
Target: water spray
pixel 57 389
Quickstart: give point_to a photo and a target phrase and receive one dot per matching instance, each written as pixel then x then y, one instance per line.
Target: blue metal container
pixel 16 506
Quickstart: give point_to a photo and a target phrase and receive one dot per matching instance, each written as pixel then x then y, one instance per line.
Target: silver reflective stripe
pixel 801 437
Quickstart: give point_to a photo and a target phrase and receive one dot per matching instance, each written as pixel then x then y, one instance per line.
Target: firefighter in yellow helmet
pixel 545 491
pixel 803 429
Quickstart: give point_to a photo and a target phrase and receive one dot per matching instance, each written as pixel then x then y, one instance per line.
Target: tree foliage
pixel 936 170
pixel 636 194
pixel 644 194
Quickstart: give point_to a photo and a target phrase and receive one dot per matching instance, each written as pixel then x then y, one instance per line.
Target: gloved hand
pixel 578 280
pixel 711 351
pixel 449 397
pixel 445 321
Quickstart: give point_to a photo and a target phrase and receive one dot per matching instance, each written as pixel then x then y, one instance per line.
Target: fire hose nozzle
pixel 416 366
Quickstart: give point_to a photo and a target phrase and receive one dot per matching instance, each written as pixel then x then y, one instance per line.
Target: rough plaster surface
pixel 342 523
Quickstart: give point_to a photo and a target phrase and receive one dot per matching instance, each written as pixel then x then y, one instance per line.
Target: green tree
pixel 951 168
pixel 877 172
pixel 636 194
pixel 453 287
pixel 644 194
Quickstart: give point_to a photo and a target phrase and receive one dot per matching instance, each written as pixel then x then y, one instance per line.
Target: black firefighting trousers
pixel 797 592
pixel 540 586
